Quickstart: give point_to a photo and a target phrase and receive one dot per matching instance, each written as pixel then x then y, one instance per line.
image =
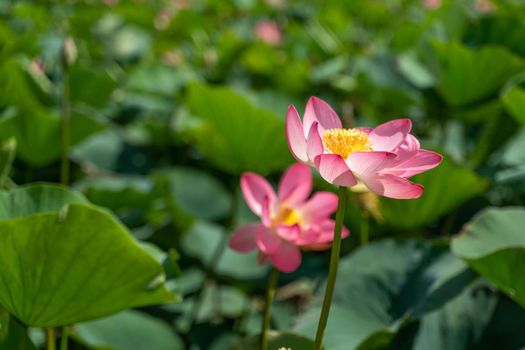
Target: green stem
pixel 364 232
pixel 267 317
pixel 65 127
pixel 484 144
pixel 7 156
pixel 64 338
pixel 51 339
pixel 332 274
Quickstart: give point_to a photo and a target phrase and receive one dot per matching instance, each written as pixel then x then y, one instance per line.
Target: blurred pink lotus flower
pixel 290 222
pixel 268 32
pixel 432 4
pixel 381 158
pixel 484 6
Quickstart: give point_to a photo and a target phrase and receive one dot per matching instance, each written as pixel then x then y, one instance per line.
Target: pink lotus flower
pixel 484 6
pixel 290 222
pixel 268 32
pixel 381 158
pixel 432 4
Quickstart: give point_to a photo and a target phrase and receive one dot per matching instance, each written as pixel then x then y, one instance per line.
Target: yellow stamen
pixel 288 216
pixel 346 141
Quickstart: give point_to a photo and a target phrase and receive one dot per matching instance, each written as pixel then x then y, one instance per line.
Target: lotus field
pixel 262 175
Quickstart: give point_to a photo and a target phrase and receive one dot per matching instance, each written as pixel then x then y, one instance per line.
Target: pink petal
pixel 287 258
pixel 393 186
pixel 367 163
pixel 321 236
pixel 314 143
pixel 266 213
pixel 295 135
pixel 267 241
pixel 255 188
pixel 327 231
pixel 407 148
pixel 319 111
pixel 387 136
pixel 289 233
pixel 319 207
pixel 309 236
pixel 365 130
pixel 422 161
pixel 334 170
pixel 295 185
pixel 243 239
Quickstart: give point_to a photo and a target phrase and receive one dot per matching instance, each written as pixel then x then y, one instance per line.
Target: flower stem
pixel 332 274
pixel 364 232
pixel 51 339
pixel 7 156
pixel 270 292
pixel 64 338
pixel 65 126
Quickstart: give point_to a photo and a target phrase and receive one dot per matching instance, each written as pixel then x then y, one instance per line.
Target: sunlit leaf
pixel 34 199
pixel 237 136
pixel 59 268
pixel 467 75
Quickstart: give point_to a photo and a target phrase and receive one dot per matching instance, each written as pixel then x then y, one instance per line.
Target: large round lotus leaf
pixel 493 244
pixel 128 330
pixel 73 265
pixel 460 323
pixel 33 199
pixel 192 189
pixel 381 286
pixel 467 75
pixel 202 240
pixel 31 121
pixel 235 135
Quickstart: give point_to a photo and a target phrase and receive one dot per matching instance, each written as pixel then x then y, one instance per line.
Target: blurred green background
pixel 170 101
